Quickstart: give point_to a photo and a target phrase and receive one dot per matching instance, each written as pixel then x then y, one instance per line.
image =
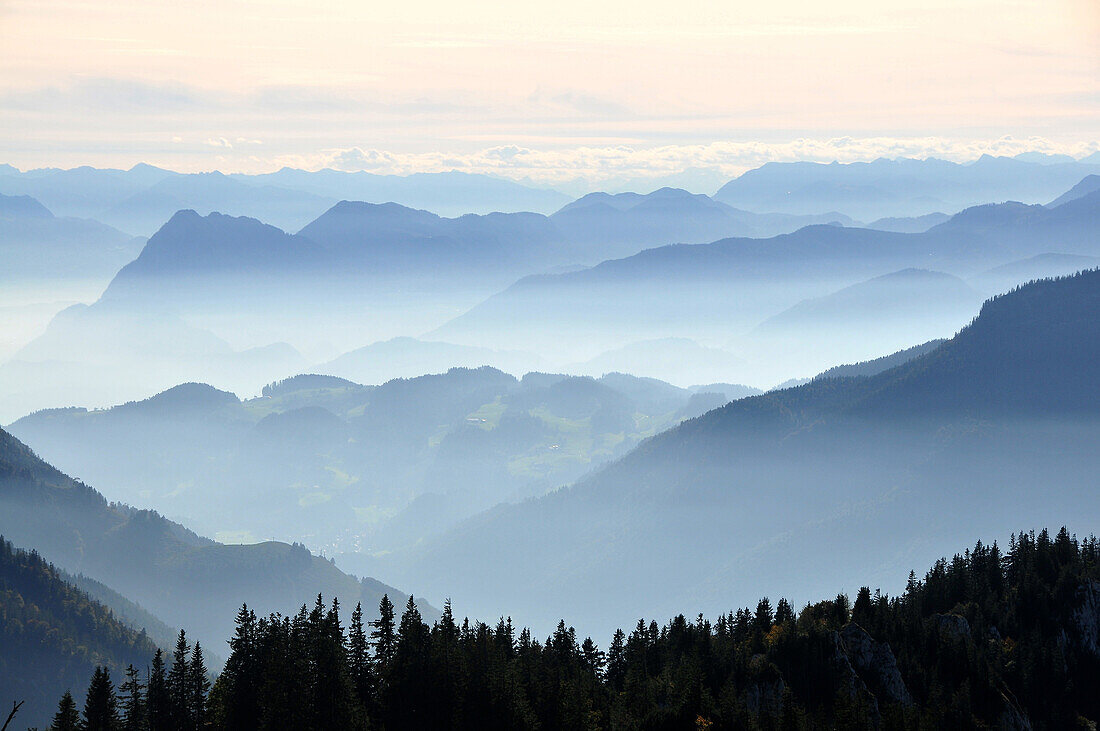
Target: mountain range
pixel 141 199
pixel 38 246
pixel 718 292
pixel 343 466
pixel 605 226
pixel 992 428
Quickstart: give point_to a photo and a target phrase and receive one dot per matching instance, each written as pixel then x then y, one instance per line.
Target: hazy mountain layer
pixel 805 486
pixel 339 465
pixel 719 292
pixel 141 199
pixel 605 226
pixel 902 187
pixel 183 578
pixel 857 322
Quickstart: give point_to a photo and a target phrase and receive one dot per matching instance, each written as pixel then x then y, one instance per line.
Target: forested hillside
pixel 53 635
pixel 987 639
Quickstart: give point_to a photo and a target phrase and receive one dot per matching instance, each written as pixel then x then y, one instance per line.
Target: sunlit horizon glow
pixel 547 93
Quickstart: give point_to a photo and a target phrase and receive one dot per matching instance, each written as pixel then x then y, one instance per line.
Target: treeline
pixel 172 697
pixel 986 639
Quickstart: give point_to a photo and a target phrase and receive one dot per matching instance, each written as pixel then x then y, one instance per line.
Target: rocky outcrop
pixel 1086 618
pixel 765 693
pixel 875 663
pixel 850 680
pixel 952 628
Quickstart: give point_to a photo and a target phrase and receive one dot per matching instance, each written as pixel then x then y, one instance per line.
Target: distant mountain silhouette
pixel 407 357
pixel 913 225
pixel 141 199
pixel 183 578
pixel 1089 184
pixel 720 291
pixel 444 194
pixel 995 427
pixel 1007 276
pixel 83 192
pixel 107 353
pixel 906 293
pixel 393 238
pixel 43 250
pixel 901 187
pixel 216 246
pixel 146 211
pixel 610 226
pixel 883 313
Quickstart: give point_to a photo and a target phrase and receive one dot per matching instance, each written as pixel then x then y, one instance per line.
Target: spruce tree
pixel 358 654
pixel 157 701
pixel 784 613
pixel 240 680
pixel 383 636
pixel 101 704
pixel 616 661
pixel 198 685
pixel 67 717
pixel 179 686
pixel 133 701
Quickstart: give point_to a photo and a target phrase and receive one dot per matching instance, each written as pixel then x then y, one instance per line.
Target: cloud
pixel 98 94
pixel 600 164
pixel 219 142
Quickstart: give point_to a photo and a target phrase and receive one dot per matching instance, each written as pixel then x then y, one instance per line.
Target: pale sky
pixel 540 89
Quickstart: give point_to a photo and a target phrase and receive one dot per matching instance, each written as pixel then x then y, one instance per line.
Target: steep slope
pixel 183 578
pixel 54 635
pixel 995 427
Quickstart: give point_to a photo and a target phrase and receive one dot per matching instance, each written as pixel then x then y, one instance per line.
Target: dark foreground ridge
pixel 987 639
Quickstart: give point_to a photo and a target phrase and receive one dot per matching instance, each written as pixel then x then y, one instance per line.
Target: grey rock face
pixel 875 661
pixel 952 627
pixel 1086 618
